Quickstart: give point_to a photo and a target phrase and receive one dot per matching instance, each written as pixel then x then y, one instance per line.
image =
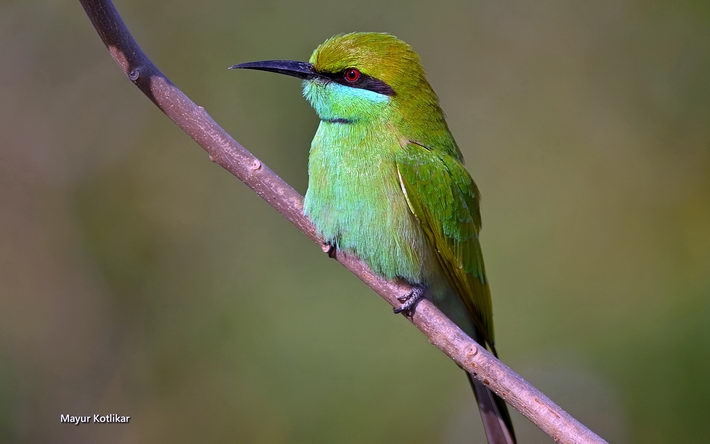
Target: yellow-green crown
pixel 379 55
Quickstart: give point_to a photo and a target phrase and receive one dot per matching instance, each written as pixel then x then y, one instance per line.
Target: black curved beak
pixel 302 70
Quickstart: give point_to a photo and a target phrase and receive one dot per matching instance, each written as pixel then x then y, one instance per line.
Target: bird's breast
pixel 355 200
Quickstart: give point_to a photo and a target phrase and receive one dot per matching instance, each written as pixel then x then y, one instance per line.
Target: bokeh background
pixel 136 277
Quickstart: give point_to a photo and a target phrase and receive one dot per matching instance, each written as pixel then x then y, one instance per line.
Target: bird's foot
pixel 410 301
pixel 329 249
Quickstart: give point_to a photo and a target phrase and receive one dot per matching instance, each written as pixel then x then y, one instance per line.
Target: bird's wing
pixel 444 199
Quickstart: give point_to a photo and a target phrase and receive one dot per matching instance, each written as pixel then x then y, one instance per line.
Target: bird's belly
pixel 364 211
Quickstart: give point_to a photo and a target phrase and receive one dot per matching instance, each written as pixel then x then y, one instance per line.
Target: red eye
pixel 351 75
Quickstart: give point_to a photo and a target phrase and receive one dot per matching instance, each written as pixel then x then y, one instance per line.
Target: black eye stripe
pixel 364 82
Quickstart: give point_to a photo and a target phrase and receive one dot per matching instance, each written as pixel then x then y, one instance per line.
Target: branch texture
pixel 233 157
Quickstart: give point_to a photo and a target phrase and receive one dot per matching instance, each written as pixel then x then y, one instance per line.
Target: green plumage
pixel 387 182
pixel 390 186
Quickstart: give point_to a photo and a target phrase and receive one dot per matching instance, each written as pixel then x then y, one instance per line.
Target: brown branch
pixel 233 157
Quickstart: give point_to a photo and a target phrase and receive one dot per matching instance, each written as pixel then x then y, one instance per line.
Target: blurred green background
pixel 138 278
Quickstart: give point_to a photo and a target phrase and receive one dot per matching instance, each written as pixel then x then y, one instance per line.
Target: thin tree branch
pixel 233 157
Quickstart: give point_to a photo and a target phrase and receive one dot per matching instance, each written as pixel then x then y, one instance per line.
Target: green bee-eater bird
pixel 387 183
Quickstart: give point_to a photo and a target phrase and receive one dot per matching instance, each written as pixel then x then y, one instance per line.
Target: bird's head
pixel 359 76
